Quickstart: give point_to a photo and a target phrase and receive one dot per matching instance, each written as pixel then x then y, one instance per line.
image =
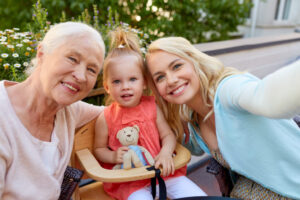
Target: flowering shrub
pixel 16 50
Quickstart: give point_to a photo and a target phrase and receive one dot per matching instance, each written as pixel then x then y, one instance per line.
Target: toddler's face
pixel 125 81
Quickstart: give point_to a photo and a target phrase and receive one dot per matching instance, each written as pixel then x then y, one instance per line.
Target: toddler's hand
pixel 118 157
pixel 166 162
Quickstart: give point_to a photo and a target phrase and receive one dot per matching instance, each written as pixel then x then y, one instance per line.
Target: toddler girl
pixel 124 80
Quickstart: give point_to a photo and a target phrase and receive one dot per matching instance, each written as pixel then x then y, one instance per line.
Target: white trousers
pixel 178 187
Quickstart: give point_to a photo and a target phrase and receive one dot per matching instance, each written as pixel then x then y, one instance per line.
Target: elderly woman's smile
pixel 74 67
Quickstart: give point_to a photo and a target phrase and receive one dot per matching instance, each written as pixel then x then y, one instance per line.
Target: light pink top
pixel 23 174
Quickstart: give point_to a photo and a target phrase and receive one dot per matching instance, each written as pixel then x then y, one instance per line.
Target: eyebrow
pixel 170 64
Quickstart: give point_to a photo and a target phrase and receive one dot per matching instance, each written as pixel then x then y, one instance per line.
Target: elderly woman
pixel 242 121
pixel 38 116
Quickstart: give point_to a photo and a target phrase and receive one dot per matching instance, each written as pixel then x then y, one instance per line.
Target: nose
pixel 125 85
pixel 171 79
pixel 80 73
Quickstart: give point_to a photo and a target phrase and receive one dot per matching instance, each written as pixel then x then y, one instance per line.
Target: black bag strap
pixel 207 198
pixel 161 184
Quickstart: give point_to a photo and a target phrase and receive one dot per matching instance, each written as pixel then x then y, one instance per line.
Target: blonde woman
pixel 242 121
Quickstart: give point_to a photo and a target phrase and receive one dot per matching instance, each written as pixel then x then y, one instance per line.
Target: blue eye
pixel 116 82
pixel 159 78
pixel 92 70
pixel 72 59
pixel 176 66
pixel 133 79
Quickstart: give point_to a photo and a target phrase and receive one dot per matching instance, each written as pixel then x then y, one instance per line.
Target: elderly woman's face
pixel 70 71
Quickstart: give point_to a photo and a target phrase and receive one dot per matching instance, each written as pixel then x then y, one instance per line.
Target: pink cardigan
pixel 22 174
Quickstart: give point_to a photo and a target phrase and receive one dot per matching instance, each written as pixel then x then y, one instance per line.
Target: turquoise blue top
pixel 265 150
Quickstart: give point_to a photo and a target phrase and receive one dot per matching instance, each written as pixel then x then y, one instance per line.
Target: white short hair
pixel 59 33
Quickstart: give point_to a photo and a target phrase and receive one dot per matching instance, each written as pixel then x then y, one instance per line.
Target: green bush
pixel 196 20
pixel 18 48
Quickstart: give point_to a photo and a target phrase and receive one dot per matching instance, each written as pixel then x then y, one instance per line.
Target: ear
pixel 106 88
pixel 136 127
pixel 119 134
pixel 40 53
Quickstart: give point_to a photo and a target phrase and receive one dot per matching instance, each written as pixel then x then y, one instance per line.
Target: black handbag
pixel 222 175
pixel 297 120
pixel 71 179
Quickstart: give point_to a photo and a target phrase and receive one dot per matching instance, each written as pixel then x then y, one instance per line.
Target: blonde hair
pixel 122 43
pixel 209 70
pixel 59 33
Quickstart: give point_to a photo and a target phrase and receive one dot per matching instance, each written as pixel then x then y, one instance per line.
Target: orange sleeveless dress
pixel 143 115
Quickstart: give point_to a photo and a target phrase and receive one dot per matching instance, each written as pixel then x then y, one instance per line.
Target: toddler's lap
pixel 177 187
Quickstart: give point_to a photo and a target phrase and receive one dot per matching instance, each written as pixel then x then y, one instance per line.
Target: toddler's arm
pixel 168 141
pixel 101 150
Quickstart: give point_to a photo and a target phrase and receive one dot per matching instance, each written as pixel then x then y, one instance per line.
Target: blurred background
pixel 24 22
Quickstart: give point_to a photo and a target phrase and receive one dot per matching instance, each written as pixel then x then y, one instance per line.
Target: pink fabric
pixel 143 115
pixel 23 175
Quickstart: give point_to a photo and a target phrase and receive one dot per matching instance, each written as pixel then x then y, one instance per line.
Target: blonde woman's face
pixel 174 77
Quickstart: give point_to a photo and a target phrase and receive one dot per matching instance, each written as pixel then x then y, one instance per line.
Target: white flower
pixel 5 43
pixel 19 45
pixel 26 40
pixel 16 29
pixel 3 38
pixel 15 55
pixel 4 55
pixel 28 48
pixel 9 30
pixel 23 34
pixel 143 50
pixel 25 64
pixel 146 35
pixel 134 30
pixel 16 37
pixel 26 33
pixel 6 64
pixel 10 46
pixel 17 65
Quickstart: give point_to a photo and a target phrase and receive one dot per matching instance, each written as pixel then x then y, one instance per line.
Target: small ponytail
pixel 123 40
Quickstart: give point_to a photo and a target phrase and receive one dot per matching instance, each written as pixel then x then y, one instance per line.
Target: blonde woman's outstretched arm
pixel 275 96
